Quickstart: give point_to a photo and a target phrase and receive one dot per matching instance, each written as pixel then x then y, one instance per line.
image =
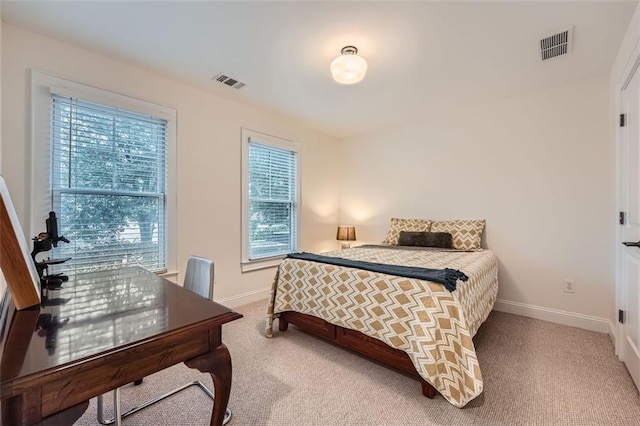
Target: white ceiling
pixel 424 57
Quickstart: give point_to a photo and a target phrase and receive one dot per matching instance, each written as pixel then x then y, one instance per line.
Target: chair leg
pixel 118 416
pixel 117 419
pixel 101 419
pixel 117 411
pixel 227 416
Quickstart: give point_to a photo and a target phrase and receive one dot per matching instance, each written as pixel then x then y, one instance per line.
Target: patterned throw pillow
pixel 467 234
pixel 398 225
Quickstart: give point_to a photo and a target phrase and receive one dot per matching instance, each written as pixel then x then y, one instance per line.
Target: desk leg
pixel 218 364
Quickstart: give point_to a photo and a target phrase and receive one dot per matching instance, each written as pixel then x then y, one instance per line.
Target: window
pixel 109 174
pixel 270 199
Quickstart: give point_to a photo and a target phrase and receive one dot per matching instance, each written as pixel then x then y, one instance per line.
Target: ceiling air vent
pixel 556 45
pixel 229 81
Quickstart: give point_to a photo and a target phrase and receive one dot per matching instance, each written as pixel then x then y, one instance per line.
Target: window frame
pixel 280 143
pixel 42 87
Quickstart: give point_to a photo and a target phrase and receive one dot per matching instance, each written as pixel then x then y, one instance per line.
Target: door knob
pixel 632 244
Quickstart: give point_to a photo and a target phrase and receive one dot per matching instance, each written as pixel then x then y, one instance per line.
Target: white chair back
pixel 199 276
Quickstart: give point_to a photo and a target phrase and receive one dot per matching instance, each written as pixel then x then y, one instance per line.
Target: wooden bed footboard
pixel 357 342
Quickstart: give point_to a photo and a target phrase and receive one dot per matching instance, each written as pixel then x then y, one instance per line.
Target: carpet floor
pixel 535 373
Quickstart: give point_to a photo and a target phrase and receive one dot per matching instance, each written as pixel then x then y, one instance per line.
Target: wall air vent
pixel 556 45
pixel 229 81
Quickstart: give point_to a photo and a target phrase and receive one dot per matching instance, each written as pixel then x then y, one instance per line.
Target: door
pixel 629 302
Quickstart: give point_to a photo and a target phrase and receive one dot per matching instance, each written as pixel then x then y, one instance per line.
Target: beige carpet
pixel 535 373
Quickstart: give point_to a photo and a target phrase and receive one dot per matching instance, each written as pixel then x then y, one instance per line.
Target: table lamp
pixel 346 233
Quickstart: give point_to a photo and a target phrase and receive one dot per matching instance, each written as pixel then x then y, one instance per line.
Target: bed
pixel 412 324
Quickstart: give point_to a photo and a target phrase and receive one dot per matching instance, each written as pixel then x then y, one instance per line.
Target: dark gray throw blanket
pixel 447 277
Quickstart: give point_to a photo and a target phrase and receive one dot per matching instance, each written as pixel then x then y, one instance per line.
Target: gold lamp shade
pixel 346 233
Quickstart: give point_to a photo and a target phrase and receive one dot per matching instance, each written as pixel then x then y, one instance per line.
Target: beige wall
pixel 538 168
pixel 630 41
pixel 209 153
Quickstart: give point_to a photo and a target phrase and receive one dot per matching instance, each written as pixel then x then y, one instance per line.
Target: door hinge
pixel 621 218
pixel 620 316
pixel 622 120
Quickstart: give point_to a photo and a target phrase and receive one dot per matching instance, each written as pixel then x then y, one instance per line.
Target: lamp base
pixel 345 245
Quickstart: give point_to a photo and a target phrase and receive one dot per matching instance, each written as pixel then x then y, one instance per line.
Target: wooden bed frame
pixel 356 341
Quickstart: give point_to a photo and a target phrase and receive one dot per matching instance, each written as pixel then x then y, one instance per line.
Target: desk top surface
pixel 96 313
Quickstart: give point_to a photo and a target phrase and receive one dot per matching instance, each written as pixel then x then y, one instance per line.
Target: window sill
pixel 170 275
pixel 254 265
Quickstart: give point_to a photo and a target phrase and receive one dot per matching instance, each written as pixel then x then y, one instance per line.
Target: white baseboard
pixel 244 298
pixel 588 322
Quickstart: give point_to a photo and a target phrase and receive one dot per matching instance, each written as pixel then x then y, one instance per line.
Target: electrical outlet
pixel 569 286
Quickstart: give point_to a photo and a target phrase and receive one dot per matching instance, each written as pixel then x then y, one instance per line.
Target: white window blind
pixel 109 185
pixel 273 200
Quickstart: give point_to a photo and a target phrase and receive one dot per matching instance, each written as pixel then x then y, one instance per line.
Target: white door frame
pixel 633 63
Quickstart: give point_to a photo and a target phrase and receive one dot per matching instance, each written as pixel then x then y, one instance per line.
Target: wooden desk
pixel 116 327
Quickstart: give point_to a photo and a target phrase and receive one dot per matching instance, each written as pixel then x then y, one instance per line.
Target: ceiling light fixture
pixel 348 68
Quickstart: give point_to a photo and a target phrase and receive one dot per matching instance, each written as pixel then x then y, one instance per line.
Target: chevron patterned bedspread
pixel 433 326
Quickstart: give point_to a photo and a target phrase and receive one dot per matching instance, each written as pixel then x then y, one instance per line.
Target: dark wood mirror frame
pixel 16 264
